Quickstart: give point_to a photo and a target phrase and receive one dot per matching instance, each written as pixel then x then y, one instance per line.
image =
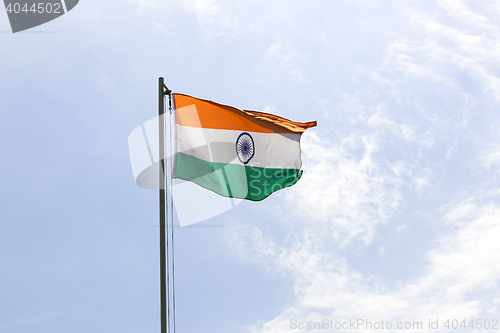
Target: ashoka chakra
pixel 245 148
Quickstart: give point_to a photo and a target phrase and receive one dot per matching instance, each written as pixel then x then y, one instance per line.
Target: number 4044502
pixel 473 323
pixel 36 8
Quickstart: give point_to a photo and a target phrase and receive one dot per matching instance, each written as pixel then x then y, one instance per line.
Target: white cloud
pixel 344 196
pixel 204 9
pixel 470 45
pixel 286 58
pixel 463 262
pixel 490 156
pixel 465 210
pixel 341 206
pixel 459 10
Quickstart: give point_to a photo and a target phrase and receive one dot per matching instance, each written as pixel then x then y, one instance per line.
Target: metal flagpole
pixel 161 135
pixel 162 91
pixel 166 254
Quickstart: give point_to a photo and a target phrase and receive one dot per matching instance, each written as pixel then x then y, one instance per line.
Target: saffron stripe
pixel 195 112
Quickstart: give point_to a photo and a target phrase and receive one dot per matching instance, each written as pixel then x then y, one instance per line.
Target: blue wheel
pixel 245 147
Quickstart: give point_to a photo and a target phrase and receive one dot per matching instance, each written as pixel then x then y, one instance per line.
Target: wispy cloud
pixel 204 9
pixel 430 81
pixel 463 263
pixel 345 196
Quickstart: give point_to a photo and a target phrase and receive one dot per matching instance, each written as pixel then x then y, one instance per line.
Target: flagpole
pixel 163 208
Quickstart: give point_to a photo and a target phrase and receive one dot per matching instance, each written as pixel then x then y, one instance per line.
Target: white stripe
pixel 272 150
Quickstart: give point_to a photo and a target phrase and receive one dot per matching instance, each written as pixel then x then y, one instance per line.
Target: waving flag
pixel 235 153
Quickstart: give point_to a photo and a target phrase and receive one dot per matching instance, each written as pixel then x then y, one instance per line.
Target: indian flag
pixel 235 153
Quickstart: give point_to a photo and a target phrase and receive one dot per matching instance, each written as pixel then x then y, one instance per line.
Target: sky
pixel 396 217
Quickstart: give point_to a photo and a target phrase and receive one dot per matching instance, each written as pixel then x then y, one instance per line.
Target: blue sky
pixel 396 217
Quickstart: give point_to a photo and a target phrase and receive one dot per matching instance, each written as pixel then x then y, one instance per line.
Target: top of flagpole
pixel 166 91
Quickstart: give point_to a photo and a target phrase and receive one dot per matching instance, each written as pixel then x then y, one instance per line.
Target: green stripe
pixel 234 180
